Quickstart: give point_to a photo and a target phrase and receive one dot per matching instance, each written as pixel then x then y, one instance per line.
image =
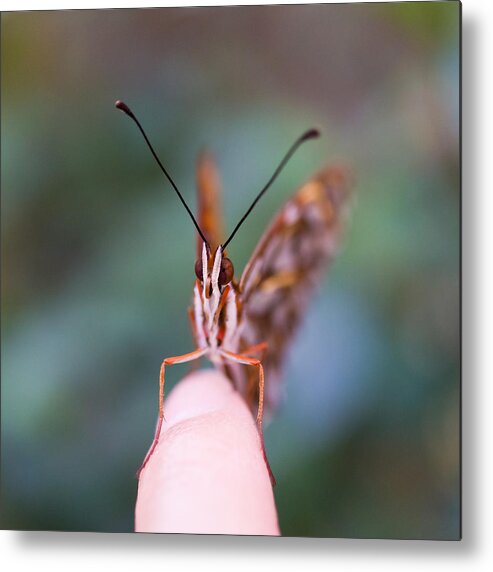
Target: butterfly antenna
pixel 310 134
pixel 124 107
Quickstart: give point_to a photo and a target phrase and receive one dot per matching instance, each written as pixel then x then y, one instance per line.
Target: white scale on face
pixel 206 308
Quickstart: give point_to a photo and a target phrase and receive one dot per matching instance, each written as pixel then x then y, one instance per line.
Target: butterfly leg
pixel 254 349
pixel 168 361
pixel 191 317
pixel 241 358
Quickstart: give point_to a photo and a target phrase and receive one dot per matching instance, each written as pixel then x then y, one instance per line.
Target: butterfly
pixel 250 321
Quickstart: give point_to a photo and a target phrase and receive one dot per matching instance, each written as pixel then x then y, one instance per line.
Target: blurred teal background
pixel 98 254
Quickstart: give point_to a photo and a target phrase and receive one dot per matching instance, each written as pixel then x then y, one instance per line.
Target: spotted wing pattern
pixel 283 271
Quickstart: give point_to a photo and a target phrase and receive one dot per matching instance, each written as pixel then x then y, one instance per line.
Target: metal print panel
pixel 233 309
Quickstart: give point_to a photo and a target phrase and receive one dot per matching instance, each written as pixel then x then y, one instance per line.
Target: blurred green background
pixel 98 254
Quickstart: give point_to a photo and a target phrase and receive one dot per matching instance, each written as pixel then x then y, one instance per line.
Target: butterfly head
pixel 214 271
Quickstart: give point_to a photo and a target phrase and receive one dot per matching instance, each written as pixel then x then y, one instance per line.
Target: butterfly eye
pixel 198 270
pixel 226 273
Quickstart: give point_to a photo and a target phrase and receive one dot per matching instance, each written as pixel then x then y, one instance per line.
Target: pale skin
pixel 207 473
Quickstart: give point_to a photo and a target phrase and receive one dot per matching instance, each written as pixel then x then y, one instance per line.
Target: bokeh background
pixel 98 254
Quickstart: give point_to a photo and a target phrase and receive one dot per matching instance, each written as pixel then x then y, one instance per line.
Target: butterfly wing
pixel 210 217
pixel 283 271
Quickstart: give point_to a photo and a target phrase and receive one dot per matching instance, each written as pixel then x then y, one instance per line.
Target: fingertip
pixel 207 474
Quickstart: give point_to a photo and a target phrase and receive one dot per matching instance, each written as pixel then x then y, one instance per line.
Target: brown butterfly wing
pixel 210 217
pixel 283 271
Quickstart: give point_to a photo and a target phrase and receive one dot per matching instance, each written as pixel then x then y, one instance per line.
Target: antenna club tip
pixel 122 106
pixel 311 134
